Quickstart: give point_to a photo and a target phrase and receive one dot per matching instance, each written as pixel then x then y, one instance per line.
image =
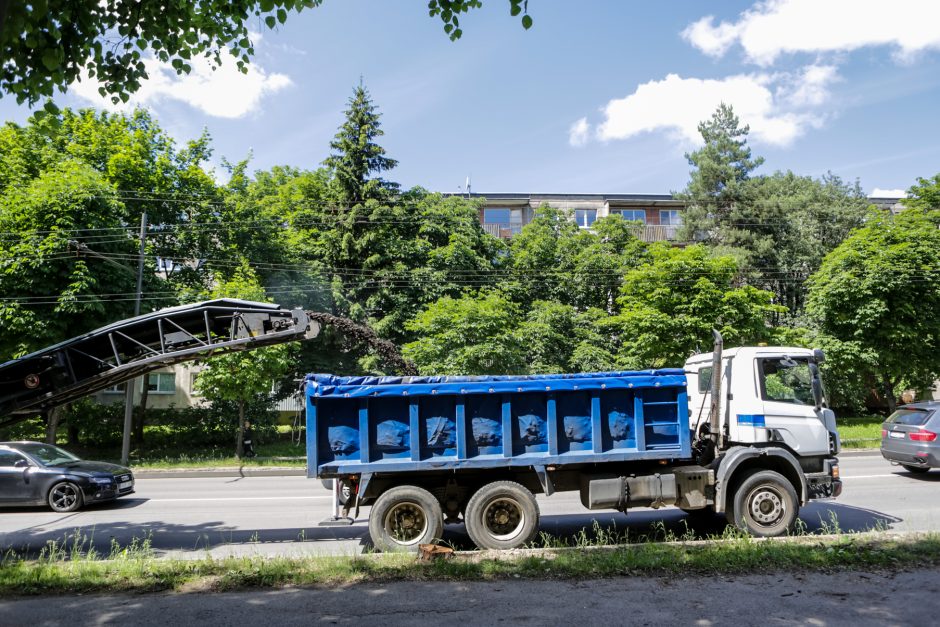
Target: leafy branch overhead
pixel 47 45
pixel 448 11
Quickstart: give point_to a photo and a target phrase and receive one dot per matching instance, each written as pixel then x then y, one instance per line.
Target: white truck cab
pixel 768 397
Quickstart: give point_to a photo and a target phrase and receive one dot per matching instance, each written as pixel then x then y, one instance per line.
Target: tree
pixel 473 334
pixel 874 300
pixel 670 305
pixel 554 260
pixel 242 376
pixel 722 168
pixel 47 45
pixel 50 291
pixel 778 227
pixel 356 156
pixel 925 195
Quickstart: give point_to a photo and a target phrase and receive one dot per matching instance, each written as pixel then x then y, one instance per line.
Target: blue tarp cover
pixel 328 385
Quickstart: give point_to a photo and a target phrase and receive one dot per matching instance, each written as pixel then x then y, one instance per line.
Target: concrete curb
pixel 193 473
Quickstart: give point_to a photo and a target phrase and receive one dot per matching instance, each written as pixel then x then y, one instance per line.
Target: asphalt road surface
pixel 280 515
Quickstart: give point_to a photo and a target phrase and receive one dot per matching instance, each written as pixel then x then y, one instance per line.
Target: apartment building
pixel 504 215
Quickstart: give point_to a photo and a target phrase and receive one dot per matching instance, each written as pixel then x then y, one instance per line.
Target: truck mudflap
pixel 826 484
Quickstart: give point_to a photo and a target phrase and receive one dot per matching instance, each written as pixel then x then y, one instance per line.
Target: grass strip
pixel 132 571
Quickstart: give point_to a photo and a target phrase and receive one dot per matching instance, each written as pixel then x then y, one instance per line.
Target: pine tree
pixel 356 156
pixel 719 181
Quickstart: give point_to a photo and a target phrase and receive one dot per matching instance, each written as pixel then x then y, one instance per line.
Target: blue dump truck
pixel 427 451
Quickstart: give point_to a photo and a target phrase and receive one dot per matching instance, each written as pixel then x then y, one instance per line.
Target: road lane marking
pixel 890 474
pixel 240 498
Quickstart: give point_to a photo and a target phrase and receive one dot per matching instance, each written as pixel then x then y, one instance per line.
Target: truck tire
pixel 765 504
pixel 502 515
pixel 405 517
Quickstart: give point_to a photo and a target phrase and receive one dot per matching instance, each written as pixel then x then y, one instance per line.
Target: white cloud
pixel 775 106
pixel 888 193
pixel 224 92
pixel 579 132
pixel 775 27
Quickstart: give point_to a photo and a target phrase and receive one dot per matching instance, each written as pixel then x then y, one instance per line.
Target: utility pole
pixel 129 392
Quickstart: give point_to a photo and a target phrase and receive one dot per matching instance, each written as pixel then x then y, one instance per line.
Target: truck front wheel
pixel 502 515
pixel 765 504
pixel 405 517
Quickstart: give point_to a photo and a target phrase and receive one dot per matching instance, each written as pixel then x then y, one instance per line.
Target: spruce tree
pixel 356 156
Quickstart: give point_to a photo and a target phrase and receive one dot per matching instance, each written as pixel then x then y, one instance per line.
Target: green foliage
pixel 356 156
pixel 449 11
pixel 245 375
pixel 48 45
pixel 722 166
pixel 43 281
pixel 874 300
pixel 670 305
pixel 778 226
pixel 925 195
pixel 473 334
pixel 553 259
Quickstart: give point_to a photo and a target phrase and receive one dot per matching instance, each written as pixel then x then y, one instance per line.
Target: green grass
pixel 134 569
pixel 860 431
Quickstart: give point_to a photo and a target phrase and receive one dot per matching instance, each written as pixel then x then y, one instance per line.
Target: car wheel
pixel 765 504
pixel 404 518
pixel 915 469
pixel 65 497
pixel 502 515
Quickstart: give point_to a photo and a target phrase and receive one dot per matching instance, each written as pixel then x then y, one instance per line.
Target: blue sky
pixel 598 97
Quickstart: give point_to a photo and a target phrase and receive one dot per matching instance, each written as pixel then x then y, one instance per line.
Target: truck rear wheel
pixel 765 504
pixel 502 515
pixel 404 517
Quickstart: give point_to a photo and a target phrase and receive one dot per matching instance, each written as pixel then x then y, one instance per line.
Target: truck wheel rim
pixel 406 523
pixel 504 518
pixel 766 506
pixel 64 496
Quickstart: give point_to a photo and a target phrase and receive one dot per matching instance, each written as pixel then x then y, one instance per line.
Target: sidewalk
pixel 847 598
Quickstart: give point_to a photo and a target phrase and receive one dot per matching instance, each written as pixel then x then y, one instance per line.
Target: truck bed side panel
pixel 367 424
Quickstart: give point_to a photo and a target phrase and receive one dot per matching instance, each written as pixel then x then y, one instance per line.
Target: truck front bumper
pixel 825 484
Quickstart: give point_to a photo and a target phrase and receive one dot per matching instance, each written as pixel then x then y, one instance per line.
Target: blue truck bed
pixel 358 425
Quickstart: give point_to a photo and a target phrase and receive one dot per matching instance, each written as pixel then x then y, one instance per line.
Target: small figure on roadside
pixel 248 448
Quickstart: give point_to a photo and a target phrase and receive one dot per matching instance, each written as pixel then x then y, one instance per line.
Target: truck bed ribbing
pixel 376 424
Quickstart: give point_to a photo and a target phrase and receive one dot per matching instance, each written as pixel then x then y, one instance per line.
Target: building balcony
pixel 647 232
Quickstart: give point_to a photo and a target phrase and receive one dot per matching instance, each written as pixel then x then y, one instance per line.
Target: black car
pixel 32 473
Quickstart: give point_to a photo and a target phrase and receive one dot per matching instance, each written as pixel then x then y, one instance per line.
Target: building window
pixel 670 217
pixel 503 219
pixel 585 217
pixel 119 388
pixel 496 215
pixel 193 389
pixel 632 214
pixel 161 382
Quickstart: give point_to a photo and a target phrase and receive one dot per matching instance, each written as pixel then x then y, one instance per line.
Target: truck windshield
pixel 787 380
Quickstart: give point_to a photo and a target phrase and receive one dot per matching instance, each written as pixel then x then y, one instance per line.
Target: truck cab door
pixel 790 414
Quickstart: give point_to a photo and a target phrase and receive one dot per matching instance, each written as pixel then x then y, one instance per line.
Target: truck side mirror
pixel 816 384
pixel 819 355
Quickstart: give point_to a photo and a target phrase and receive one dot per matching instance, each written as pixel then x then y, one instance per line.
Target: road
pixel 225 516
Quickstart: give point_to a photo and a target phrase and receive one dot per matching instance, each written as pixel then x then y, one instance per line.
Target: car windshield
pixel 47 454
pixel 910 416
